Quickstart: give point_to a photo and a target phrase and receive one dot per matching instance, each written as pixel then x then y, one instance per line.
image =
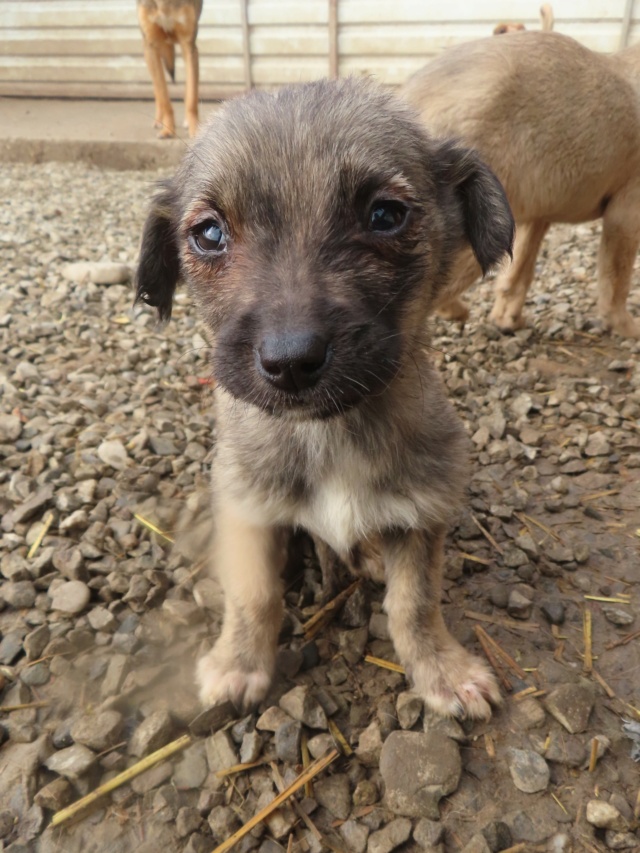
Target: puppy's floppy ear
pixel 159 266
pixel 487 220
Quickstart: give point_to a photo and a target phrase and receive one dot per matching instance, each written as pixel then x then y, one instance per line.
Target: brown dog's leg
pixel 190 54
pixel 153 38
pixel 617 254
pixel 248 561
pixel 449 679
pixel 513 284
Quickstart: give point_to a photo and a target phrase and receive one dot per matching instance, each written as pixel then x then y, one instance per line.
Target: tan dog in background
pixel 165 23
pixel 546 20
pixel 560 126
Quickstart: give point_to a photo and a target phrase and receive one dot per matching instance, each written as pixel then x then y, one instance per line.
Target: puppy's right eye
pixel 209 238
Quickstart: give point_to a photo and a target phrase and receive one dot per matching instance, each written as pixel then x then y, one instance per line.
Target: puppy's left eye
pixel 209 237
pixel 387 216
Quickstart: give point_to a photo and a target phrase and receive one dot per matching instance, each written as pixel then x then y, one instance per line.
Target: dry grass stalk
pixel 316 767
pixel 304 817
pixel 121 779
pixel 623 640
pixel 306 761
pixel 527 520
pixel 6 709
pixel 340 738
pixel 48 521
pixel 315 624
pixel 495 664
pixel 487 535
pixel 151 526
pixel 239 768
pixel 505 656
pixel 588 640
pixel 384 664
pixel 483 560
pixel 636 808
pixel 597 495
pixel 559 803
pixel 619 599
pixel 593 757
pixel 517 848
pixel 600 680
pixel 510 624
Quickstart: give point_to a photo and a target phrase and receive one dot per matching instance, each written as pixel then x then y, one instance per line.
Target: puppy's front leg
pixel 248 560
pixel 450 680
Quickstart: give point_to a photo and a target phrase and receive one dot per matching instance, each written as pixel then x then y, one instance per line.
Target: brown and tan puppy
pixel 165 23
pixel 560 126
pixel 546 21
pixel 316 228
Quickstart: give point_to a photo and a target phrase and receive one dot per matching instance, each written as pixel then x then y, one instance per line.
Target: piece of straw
pixel 6 709
pixel 527 520
pixel 339 737
pixel 593 758
pixel 495 663
pixel 48 521
pixel 121 779
pixel 151 526
pixel 384 664
pixel 487 535
pixel 315 624
pixel 597 677
pixel 510 624
pixel 588 639
pixel 240 768
pixel 506 657
pixel 314 768
pixel 623 640
pixel 306 761
pixel 609 599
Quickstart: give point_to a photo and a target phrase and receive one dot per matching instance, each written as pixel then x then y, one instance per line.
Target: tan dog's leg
pixel 449 679
pixel 190 54
pixel 448 305
pixel 513 284
pixel 617 254
pixel 153 39
pixel 248 561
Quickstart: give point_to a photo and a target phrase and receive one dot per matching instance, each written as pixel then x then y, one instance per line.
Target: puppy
pixel 315 228
pixel 546 21
pixel 165 23
pixel 560 125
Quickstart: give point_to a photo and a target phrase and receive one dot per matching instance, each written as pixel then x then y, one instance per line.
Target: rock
pixel 370 745
pixel 605 816
pixel 25 511
pixel 272 719
pixel 334 794
pixel 477 844
pixel 71 597
pixel 561 748
pixel 72 762
pixel 499 595
pixel 36 675
pixel 55 796
pixel 152 733
pixel 70 563
pixel 618 616
pixel 408 708
pixel 188 820
pixel 10 647
pixel 19 773
pixel 102 619
pixel 114 454
pixel 82 272
pixel 571 705
pixel 418 770
pixel 390 837
pixel 428 833
pixel 98 731
pixel 355 836
pixel 10 428
pixel 8 819
pixel 221 752
pixel 529 771
pixel 116 671
pixel 621 840
pixel 320 744
pixel 287 741
pixel 252 746
pixel 553 610
pixel 212 719
pixel 597 445
pixel 18 594
pixel 379 626
pixel 36 641
pixel 356 611
pixel 162 446
pixel 519 607
pixel 302 706
pixel 528 714
pixel 192 769
pixel 498 836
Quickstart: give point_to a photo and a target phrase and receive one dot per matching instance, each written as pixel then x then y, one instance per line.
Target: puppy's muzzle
pixel 293 361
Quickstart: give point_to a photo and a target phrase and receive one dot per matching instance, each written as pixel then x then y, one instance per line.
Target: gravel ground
pixel 103 415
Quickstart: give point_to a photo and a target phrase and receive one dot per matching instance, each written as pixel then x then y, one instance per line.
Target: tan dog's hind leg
pixel 449 679
pixel 512 285
pixel 190 54
pixel 617 254
pixel 248 561
pixel 152 53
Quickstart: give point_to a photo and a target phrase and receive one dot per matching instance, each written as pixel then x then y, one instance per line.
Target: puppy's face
pixel 315 228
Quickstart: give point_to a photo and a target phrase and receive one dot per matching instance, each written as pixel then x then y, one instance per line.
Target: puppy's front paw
pixel 506 316
pixel 221 680
pixel 455 683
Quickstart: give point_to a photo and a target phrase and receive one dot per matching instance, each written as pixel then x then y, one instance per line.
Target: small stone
pixel 72 763
pixel 522 405
pixel 559 553
pixel 114 676
pixel 18 594
pixel 221 752
pixel 370 745
pixel 192 768
pixel 152 733
pixel 10 428
pixel 98 731
pixel 70 563
pixel 102 619
pixel 355 836
pixel 597 445
pixel 605 816
pixel 498 836
pixel 55 796
pixel 320 744
pixel 519 607
pixel 477 844
pixel 188 820
pixel 499 595
pixel 514 558
pixel 391 836
pixel 97 272
pixel 428 833
pixel 618 616
pixel 287 741
pixel 418 770
pixel 36 675
pixel 252 746
pixel 366 793
pixel 302 706
pixel 36 641
pixel 78 520
pixel 621 840
pixel 334 794
pixel 212 719
pixel 272 719
pixel 113 453
pixel 571 706
pixel 71 597
pixel 152 778
pixel 581 552
pixel 561 748
pixel 553 610
pixel 289 662
pixel 529 771
pixel 8 820
pixel 162 446
pixel 379 626
pixel 408 708
pixel 528 714
pixel 356 611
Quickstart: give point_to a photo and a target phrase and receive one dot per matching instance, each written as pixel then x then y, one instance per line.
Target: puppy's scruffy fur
pixel 315 228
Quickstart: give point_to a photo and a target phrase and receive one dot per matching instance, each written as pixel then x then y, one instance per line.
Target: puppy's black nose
pixel 293 361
